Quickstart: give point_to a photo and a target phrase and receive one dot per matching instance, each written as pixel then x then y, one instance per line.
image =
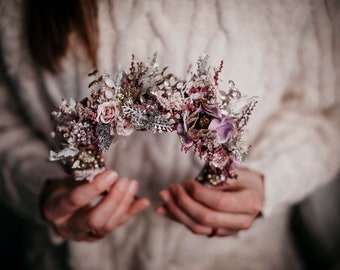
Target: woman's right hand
pixel 67 205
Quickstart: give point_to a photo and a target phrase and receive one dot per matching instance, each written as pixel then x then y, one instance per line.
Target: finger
pixel 222 232
pixel 135 208
pixel 88 236
pixel 84 236
pixel 83 194
pixel 229 185
pixel 162 210
pixel 206 216
pixel 243 201
pixel 52 203
pixel 245 179
pixel 92 237
pixel 123 207
pixel 180 216
pixel 61 231
pixel 84 221
pixel 75 225
pixel 138 206
pixel 103 211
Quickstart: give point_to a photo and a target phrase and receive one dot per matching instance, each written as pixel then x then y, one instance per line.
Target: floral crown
pixel 208 120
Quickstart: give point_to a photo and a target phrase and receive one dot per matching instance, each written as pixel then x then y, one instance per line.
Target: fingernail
pixel 111 177
pixel 132 187
pixel 146 204
pixel 160 210
pixel 164 195
pixel 122 184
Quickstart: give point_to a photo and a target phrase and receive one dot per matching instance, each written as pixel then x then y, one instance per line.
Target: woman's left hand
pixel 218 211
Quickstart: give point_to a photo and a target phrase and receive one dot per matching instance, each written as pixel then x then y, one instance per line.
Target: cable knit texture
pixel 285 52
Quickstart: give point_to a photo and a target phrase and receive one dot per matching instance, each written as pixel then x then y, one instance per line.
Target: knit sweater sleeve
pixel 23 160
pixel 299 153
pixel 23 149
pixel 298 148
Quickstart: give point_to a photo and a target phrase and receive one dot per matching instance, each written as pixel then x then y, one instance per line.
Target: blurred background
pixel 11 239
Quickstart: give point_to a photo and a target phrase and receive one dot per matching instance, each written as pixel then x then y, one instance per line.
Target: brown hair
pixel 49 23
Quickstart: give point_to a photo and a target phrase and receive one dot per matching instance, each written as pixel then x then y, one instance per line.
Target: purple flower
pixel 185 140
pixel 223 127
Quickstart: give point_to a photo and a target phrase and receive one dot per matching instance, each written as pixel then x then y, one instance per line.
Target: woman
pixel 46 55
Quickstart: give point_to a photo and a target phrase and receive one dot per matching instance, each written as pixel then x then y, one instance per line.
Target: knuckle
pixel 76 199
pixel 245 225
pixel 234 233
pixel 221 203
pixel 49 210
pixel 195 192
pixel 256 203
pixel 73 229
pixel 180 201
pixel 205 219
pixel 78 239
pixel 98 186
pixel 94 222
pixel 196 229
pixel 62 234
pixel 62 231
pixel 58 224
pixel 48 215
pixel 107 228
pixel 227 232
pixel 257 206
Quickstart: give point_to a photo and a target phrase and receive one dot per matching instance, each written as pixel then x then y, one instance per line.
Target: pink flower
pixel 106 112
pixel 223 127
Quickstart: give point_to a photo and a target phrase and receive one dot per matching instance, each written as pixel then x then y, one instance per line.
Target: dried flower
pixel 104 136
pixel 124 127
pixel 223 127
pixel 106 112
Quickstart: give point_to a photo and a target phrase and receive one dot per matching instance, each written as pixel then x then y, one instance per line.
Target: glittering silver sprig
pixel 143 119
pixel 202 65
pixel 103 136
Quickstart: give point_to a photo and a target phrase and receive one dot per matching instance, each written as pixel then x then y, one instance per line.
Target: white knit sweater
pixel 287 53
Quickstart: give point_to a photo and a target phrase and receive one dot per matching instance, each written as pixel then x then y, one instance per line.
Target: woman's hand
pixel 67 205
pixel 215 211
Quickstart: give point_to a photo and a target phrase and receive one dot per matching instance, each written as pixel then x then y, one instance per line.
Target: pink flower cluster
pixel 147 98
